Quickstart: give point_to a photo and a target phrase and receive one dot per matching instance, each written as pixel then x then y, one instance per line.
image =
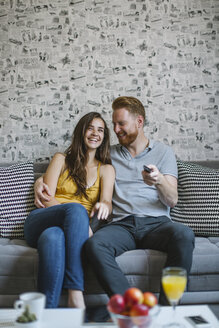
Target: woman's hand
pixel 42 193
pixel 102 209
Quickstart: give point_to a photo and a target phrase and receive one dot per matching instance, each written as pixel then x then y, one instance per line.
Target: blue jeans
pixel 58 232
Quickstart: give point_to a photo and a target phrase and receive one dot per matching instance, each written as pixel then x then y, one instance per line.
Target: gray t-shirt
pixel 131 195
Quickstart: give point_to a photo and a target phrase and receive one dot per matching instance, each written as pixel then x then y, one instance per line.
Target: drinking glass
pixel 174 281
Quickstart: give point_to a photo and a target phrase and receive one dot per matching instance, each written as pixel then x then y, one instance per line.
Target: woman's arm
pixel 41 192
pixel 51 178
pixel 107 179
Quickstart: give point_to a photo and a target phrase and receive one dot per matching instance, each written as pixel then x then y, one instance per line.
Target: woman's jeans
pixel 58 232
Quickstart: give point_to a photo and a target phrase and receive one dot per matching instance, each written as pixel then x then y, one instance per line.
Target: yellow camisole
pixel 66 188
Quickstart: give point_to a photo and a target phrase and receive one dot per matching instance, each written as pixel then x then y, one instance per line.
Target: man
pixel 141 202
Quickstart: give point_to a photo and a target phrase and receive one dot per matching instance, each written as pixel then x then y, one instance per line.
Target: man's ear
pixel 140 120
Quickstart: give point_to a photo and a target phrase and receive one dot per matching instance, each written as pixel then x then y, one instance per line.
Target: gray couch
pixel 18 269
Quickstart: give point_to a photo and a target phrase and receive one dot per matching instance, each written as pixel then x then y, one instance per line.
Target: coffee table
pixel 52 318
pixel 73 318
pixel 165 316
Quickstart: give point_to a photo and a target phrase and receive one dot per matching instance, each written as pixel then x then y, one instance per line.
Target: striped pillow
pixel 198 203
pixel 16 198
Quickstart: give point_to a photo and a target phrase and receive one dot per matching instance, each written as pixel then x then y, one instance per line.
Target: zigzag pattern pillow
pixel 16 198
pixel 198 202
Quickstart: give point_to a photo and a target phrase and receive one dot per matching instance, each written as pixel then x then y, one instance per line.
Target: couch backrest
pixel 213 164
pixel 40 168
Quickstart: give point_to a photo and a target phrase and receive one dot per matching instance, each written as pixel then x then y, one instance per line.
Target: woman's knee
pixel 51 236
pixel 76 211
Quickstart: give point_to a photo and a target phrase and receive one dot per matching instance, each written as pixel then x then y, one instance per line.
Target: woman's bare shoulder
pixel 59 155
pixel 106 169
pixel 58 159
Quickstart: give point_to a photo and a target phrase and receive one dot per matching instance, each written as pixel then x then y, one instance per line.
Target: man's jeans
pixel 58 232
pixel 158 233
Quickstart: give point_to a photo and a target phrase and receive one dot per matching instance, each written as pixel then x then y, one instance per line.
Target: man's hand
pixel 152 178
pixel 102 209
pixel 42 192
pixel 166 185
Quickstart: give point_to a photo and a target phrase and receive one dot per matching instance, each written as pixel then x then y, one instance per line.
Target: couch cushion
pixel 198 205
pixel 19 266
pixel 16 198
pixel 143 267
pixel 204 275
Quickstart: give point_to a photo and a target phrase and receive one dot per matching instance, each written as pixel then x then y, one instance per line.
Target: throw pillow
pixel 198 199
pixel 16 198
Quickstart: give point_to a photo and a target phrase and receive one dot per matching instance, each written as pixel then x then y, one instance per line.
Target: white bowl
pixel 123 321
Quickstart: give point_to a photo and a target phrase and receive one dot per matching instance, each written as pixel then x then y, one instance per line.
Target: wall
pixel 60 59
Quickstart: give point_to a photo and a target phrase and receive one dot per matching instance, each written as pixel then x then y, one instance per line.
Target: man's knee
pixel 90 246
pixel 183 234
pixel 94 246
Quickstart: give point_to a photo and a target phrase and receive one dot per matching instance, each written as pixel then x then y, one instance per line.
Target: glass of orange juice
pixel 174 281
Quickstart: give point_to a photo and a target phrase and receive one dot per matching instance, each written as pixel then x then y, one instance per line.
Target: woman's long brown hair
pixel 76 153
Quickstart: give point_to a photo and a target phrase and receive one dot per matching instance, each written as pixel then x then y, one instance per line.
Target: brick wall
pixel 60 59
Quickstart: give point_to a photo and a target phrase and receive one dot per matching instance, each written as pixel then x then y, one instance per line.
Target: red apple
pixel 133 296
pixel 149 299
pixel 116 304
pixel 139 310
pixel 139 314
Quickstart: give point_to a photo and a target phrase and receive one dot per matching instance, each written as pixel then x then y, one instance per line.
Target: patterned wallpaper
pixel 60 59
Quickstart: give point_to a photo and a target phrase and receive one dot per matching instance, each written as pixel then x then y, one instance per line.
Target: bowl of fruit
pixel 133 309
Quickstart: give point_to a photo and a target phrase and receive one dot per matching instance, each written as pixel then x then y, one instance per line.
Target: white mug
pixel 35 301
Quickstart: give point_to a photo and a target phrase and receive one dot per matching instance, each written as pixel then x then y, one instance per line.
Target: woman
pixel 81 185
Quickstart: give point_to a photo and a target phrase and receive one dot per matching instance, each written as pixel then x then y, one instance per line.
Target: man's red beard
pixel 129 139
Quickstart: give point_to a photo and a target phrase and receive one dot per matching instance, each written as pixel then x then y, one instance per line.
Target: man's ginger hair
pixel 132 104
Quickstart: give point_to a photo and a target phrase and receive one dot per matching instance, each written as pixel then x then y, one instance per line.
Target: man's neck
pixel 138 146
